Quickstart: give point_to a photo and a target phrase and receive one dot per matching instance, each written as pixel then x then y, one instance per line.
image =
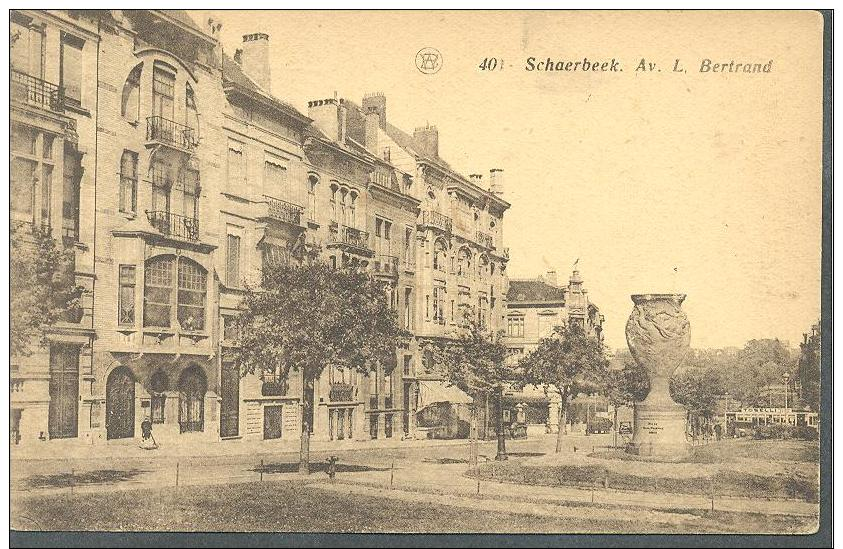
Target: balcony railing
pixel 386 264
pixel 174 225
pixel 274 385
pixel 354 238
pixel 437 220
pixel 409 263
pixel 341 392
pixel 486 240
pixel 283 210
pixel 171 133
pixel 34 91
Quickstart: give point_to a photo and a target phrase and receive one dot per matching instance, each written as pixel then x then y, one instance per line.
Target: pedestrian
pixel 148 441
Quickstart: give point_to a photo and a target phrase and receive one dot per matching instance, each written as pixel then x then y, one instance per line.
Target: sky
pixel 707 184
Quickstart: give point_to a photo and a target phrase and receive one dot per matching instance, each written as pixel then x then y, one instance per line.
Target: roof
pixel 183 17
pixel 533 290
pixel 233 74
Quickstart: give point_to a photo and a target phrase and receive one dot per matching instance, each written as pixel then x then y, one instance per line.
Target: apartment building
pixel 182 176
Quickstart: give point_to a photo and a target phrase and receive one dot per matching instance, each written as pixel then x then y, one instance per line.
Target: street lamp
pixel 785 377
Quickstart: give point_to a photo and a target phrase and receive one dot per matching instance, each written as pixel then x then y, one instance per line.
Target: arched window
pixel 352 209
pixel 130 104
pixel 192 388
pixel 482 266
pixel 464 262
pixel 159 383
pixel 174 286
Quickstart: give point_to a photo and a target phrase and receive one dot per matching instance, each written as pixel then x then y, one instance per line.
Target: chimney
pixel 476 178
pixel 496 181
pixel 371 132
pixel 427 138
pixel 376 102
pixel 255 59
pixel 550 278
pixel 329 116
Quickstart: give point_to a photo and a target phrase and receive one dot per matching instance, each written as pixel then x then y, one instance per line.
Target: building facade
pixel 182 176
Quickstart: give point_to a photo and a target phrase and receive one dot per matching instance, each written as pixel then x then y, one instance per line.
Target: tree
pixel 43 289
pixel 474 362
pixel 698 390
pixel 622 387
pixel 760 363
pixel 305 318
pixel 809 369
pixel 571 361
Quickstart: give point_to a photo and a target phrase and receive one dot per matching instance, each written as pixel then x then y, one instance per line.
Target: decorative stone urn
pixel 659 336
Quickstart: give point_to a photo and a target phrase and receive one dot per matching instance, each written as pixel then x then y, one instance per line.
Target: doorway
pixel 120 404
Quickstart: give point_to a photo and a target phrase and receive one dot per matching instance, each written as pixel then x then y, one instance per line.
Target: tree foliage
pixel 42 288
pixel 622 387
pixel 304 318
pixel 474 359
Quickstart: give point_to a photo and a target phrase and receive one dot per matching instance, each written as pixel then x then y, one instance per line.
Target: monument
pixel 659 336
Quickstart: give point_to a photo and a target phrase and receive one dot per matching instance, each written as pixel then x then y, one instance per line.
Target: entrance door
pixel 120 404
pixel 64 391
pixel 271 422
pixel 230 405
pixel 192 388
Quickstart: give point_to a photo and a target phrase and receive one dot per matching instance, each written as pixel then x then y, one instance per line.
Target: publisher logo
pixel 429 60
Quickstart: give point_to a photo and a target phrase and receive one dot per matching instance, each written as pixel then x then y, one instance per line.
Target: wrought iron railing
pixel 437 220
pixel 341 392
pixel 386 264
pixel 283 210
pixel 352 237
pixel 174 225
pixel 169 132
pixel 486 240
pixel 34 91
pixel 274 384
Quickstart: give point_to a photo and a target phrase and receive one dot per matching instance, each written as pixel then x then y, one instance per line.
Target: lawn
pixel 774 469
pixel 296 507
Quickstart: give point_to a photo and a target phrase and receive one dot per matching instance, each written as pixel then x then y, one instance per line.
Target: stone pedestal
pixel 659 430
pixel 659 335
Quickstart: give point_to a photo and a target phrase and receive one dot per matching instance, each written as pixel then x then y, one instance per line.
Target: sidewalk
pixel 130 448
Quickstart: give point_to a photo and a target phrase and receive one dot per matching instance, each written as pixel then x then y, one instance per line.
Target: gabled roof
pixel 233 75
pixel 533 291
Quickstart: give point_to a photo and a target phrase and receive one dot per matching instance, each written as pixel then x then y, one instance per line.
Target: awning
pixel 431 392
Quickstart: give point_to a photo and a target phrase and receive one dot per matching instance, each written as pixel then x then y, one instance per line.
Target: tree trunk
pixel 615 443
pixel 563 406
pixel 486 416
pixel 501 455
pixel 304 452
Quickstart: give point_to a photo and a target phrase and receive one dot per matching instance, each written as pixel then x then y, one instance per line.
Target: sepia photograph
pixel 291 272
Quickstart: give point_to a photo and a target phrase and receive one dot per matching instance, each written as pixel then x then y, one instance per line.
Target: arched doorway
pixel 192 388
pixel 120 404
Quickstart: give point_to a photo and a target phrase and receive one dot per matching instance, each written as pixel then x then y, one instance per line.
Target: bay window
pixel 174 285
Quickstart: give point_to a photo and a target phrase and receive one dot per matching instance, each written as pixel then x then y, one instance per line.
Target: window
pixel 409 254
pixel 126 296
pixel 236 168
pixel 161 298
pixel 274 254
pixel 72 69
pixel 189 183
pixel 312 181
pixel 70 195
pixel 547 320
pixel 130 104
pixel 192 292
pixel 158 384
pixel 515 326
pixel 408 311
pixel 275 179
pixel 31 174
pixel 427 307
pixel 352 210
pixel 334 212
pixel 439 256
pixel 439 304
pixel 163 95
pixel 129 182
pixel 232 265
